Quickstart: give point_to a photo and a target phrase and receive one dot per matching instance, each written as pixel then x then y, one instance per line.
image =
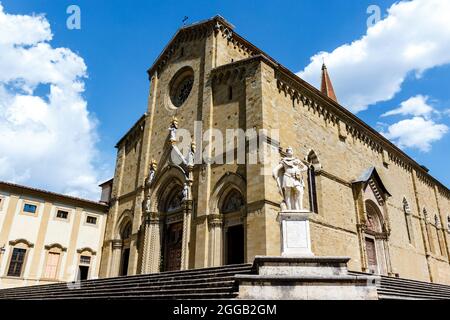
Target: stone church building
pixel 371 201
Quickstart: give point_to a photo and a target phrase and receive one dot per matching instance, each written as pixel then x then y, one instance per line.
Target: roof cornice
pixel 44 194
pixel 302 90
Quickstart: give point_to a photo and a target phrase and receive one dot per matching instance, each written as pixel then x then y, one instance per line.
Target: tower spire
pixel 326 86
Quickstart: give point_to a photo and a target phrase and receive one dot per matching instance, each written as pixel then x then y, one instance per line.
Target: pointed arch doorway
pixel 173 235
pixel 234 232
pixel 125 256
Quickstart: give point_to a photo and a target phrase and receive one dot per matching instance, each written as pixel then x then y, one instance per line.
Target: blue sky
pixel 119 40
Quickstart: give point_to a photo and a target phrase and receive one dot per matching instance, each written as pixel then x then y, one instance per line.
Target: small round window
pixel 181 86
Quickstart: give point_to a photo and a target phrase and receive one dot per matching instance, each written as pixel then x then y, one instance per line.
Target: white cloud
pixel 413 38
pixel 417 133
pixel 416 106
pixel 47 141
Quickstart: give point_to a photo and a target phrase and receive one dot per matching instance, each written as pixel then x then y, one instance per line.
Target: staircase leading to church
pixel 390 288
pixel 209 283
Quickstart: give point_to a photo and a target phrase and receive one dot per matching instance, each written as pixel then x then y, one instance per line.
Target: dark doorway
pixel 83 272
pixel 235 245
pixel 125 258
pixel 371 255
pixel 173 247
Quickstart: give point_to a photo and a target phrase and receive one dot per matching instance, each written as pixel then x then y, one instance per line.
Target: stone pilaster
pixel 215 224
pixel 186 234
pixel 116 257
pixel 151 244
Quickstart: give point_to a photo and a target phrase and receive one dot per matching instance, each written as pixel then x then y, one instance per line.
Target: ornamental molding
pixel 55 245
pixel 299 91
pixel 93 252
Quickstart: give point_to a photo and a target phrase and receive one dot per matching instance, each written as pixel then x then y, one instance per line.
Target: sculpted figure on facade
pixel 148 204
pixel 152 172
pixel 186 192
pixel 289 176
pixel 191 155
pixel 173 130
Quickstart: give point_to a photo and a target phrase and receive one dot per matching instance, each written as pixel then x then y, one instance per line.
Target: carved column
pixel 186 234
pixel 116 257
pixel 146 226
pixel 215 224
pixel 151 253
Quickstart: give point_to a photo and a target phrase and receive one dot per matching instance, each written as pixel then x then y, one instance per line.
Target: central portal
pixel 173 247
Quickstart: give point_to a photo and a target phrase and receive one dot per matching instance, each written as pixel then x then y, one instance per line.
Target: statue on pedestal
pixel 152 172
pixel 173 130
pixel 191 155
pixel 186 192
pixel 289 177
pixel 148 204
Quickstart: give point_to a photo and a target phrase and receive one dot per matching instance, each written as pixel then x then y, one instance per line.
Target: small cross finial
pixel 186 18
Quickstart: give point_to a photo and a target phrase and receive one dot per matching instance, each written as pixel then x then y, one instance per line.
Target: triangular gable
pixel 172 45
pixel 372 174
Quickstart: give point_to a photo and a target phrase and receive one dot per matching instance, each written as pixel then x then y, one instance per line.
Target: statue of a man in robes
pixel 289 177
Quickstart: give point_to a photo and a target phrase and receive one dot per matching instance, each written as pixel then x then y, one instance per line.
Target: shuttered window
pixel 16 263
pixel 52 266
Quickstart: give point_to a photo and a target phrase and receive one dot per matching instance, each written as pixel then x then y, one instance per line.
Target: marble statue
pixel 289 176
pixel 148 204
pixel 186 192
pixel 173 130
pixel 191 156
pixel 152 172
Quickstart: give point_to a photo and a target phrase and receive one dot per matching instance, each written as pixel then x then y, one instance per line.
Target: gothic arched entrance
pixel 125 235
pixel 173 235
pixel 375 237
pixel 234 238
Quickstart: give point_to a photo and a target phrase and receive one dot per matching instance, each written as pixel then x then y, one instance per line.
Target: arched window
pixel 230 93
pixel 436 221
pixel 233 202
pixel 428 231
pixel 312 186
pixel 408 222
pixel 18 256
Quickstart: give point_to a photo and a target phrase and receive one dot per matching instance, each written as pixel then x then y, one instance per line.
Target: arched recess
pixel 125 218
pixel 227 221
pixel 225 184
pixel 122 243
pixel 376 236
pixel 170 177
pixel 173 231
pixel 313 168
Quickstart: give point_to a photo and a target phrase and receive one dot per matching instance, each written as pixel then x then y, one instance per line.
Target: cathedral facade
pixel 370 200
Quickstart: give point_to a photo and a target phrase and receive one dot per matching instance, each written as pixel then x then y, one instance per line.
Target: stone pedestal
pixel 305 278
pixel 295 237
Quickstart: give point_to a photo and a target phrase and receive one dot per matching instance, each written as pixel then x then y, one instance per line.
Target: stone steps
pixel 208 283
pixel 163 281
pixel 399 288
